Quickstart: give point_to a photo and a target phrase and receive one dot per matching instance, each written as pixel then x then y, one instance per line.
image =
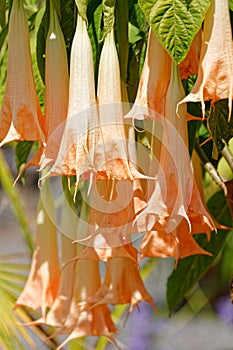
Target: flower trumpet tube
pixel 215 74
pixel 61 309
pixel 42 284
pixel 20 115
pixel 122 283
pixel 73 156
pixel 56 85
pixel 156 74
pixel 176 196
pixel 82 320
pixel 56 93
pixel 155 78
pixel 111 113
pixel 189 66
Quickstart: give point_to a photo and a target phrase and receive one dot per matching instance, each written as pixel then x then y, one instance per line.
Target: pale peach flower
pixel 122 283
pixel 215 74
pixel 74 156
pixel 43 280
pixel 20 115
pixel 175 196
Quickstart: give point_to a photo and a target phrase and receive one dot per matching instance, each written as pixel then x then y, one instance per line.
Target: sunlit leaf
pixel 175 22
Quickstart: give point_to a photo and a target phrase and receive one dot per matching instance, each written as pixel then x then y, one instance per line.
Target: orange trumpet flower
pixel 177 244
pixel 43 280
pixel 215 74
pixel 56 86
pixel 73 158
pixel 122 283
pixel 20 115
pixel 176 196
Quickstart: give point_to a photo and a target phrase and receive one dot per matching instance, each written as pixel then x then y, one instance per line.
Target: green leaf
pixel 3 35
pixel 137 17
pixel 175 23
pixel 40 43
pixel 2 13
pixel 134 69
pixel 56 5
pixel 22 151
pixel 218 124
pixel 95 33
pixel 189 270
pixel 122 36
pixel 231 5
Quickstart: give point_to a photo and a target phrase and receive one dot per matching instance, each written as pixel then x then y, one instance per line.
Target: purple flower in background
pixel 142 327
pixel 225 309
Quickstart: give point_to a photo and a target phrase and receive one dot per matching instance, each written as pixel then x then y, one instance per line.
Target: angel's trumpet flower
pixel 177 244
pixel 56 92
pixel 111 113
pixel 72 158
pixel 176 196
pixel 155 78
pixel 189 66
pixel 83 320
pixel 156 74
pixel 215 74
pixel 56 85
pixel 43 280
pixel 114 206
pixel 62 306
pixel 122 283
pixel 20 115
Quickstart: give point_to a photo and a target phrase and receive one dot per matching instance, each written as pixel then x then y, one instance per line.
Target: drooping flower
pixel 189 66
pixel 71 312
pixel 114 206
pixel 43 280
pixel 87 321
pixel 156 74
pixel 20 115
pixel 73 157
pixel 111 113
pixel 177 244
pixel 155 78
pixel 122 283
pixel 215 74
pixel 56 92
pixel 61 309
pixel 56 85
pixel 175 196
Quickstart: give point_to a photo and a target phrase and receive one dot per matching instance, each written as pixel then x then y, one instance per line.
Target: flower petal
pixel 42 284
pixel 20 115
pixel 215 74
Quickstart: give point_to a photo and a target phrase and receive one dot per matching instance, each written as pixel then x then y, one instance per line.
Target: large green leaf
pixel 189 270
pixel 175 22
